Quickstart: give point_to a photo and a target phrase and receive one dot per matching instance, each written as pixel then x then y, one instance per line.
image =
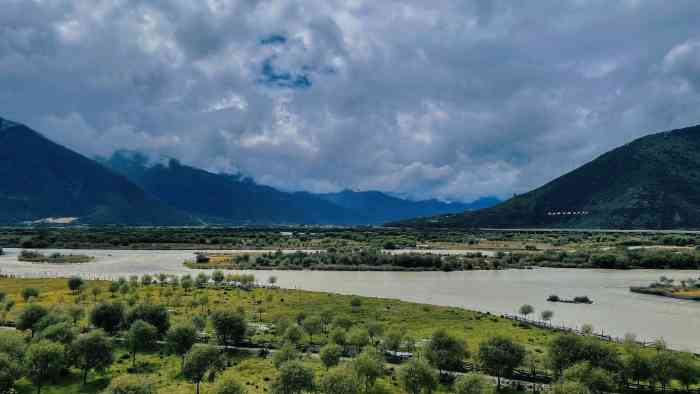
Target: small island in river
pixel 32 256
pixel 687 289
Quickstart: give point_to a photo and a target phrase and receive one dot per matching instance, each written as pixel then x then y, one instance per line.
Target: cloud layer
pixel 448 99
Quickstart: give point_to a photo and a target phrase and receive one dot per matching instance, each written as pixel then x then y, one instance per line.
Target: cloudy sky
pixel 449 99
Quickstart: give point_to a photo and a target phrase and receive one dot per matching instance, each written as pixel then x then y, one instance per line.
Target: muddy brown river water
pixel 615 311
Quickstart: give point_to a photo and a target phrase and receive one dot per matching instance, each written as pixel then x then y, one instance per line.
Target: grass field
pixel 419 321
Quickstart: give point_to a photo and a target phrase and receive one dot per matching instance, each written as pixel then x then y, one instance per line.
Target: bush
pixel 127 384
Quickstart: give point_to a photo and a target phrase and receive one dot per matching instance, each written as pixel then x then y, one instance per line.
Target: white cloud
pixel 446 99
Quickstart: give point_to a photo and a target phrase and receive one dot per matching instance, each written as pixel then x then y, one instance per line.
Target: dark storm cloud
pixel 449 99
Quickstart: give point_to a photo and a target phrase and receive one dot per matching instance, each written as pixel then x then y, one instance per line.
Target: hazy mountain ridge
pixel 652 182
pixel 228 198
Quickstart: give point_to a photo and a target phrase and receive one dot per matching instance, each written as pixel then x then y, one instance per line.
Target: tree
pixel 10 372
pixel 76 312
pixel 293 378
pixel 663 367
pixel 471 383
pixel 418 377
pixel 75 283
pixel 44 361
pixel 62 332
pixel 313 325
pixel 368 366
pixel 155 315
pixel 392 339
pixel 331 354
pixel 141 337
pixel 92 351
pixel 284 354
pixel 180 339
pixel 358 338
pixel 96 291
pixel 186 282
pixel 375 330
pixel 29 292
pixel 272 280
pixel 338 336
pixel 129 384
pixel 547 315
pixel 637 365
pixel 500 356
pixel 217 276
pixel 570 388
pixel 526 310
pixel 687 371
pixel 202 359
pixel 30 316
pixel 108 316
pixel 445 352
pixel 339 380
pixel 293 334
pixel 597 380
pixel 12 343
pixel 355 303
pixel 228 385
pixel 230 326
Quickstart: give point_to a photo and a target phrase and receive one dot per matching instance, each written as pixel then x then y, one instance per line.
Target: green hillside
pixel 652 183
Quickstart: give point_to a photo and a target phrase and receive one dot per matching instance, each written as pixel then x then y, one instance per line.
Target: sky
pixel 448 99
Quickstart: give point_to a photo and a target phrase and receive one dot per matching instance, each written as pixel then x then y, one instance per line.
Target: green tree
pixel 30 316
pixel 637 365
pixel 471 383
pixel 570 388
pixel 663 367
pixel 62 332
pixel 293 334
pixel 526 309
pixel 228 385
pixel 330 355
pixel 180 339
pixel 284 354
pixel 293 378
pixel 500 356
pixel 44 361
pixel 547 315
pixel 141 337
pixel 10 372
pixel 230 326
pixel 375 330
pixel 29 292
pixel 358 338
pixel 92 351
pixel 202 359
pixel 597 380
pixel 313 325
pixel 153 314
pixel 368 366
pixel 217 276
pixel 108 316
pixel 445 352
pixel 129 384
pixel 393 339
pixel 687 371
pixel 12 343
pixel 75 283
pixel 339 380
pixel 418 377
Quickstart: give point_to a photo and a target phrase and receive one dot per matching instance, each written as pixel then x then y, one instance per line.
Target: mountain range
pixel 650 183
pixel 228 198
pixel 41 181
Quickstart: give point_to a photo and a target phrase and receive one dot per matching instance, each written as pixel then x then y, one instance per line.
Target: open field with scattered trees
pixel 226 335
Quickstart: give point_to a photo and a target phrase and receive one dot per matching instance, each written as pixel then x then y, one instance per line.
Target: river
pixel 615 311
